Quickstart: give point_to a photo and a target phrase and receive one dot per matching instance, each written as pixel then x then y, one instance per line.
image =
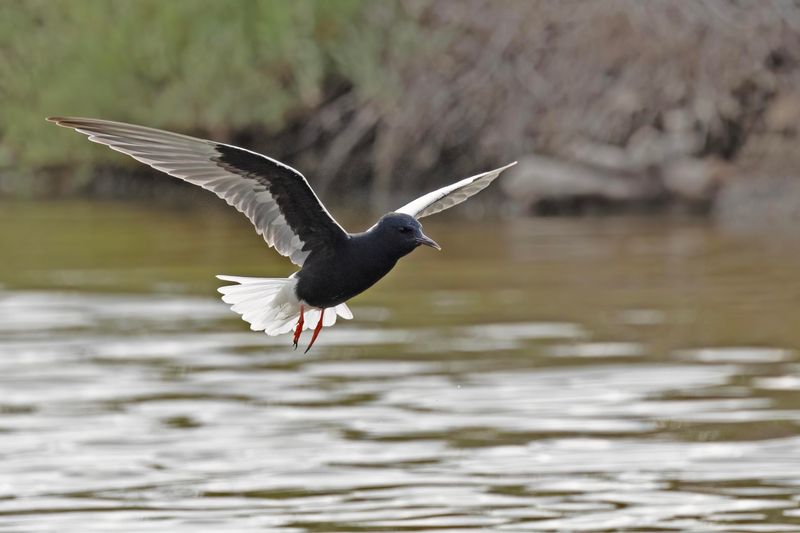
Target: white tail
pixel 271 305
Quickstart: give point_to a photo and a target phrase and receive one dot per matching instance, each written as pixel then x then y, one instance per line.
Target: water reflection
pixel 577 378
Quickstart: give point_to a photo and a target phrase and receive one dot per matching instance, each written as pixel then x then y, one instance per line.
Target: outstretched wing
pixel 447 197
pixel 275 197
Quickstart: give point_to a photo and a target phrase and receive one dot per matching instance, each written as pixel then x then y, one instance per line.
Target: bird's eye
pixel 404 229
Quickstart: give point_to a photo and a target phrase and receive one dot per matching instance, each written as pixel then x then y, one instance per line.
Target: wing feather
pixel 275 197
pixel 451 195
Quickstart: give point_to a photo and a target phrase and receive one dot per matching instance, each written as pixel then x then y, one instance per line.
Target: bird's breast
pixel 334 280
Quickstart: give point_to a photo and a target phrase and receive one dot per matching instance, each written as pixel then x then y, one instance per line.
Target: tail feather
pixel 271 305
pixel 343 311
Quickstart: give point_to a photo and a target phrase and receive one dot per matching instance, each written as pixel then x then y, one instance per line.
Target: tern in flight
pixel 335 265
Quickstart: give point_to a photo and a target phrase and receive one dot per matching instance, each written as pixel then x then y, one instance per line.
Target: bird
pixel 335 265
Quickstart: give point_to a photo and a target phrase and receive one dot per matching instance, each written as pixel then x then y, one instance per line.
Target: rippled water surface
pixel 538 375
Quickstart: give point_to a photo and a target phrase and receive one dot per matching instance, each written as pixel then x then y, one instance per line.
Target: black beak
pixel 427 241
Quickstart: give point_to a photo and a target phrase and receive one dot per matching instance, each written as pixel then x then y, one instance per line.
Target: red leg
pixel 316 330
pixel 299 328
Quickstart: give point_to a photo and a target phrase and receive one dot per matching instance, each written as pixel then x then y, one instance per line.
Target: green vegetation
pixel 190 65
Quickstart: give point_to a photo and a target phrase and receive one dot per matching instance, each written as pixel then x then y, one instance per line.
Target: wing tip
pixel 494 174
pixel 67 122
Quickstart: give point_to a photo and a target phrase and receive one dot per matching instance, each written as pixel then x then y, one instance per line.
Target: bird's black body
pixel 334 275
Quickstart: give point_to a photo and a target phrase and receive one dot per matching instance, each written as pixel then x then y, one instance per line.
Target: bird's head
pixel 403 232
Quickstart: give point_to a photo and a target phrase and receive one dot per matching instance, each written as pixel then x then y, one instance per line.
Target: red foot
pixel 316 330
pixel 299 328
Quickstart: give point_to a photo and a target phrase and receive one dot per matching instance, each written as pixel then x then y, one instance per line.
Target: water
pixel 564 376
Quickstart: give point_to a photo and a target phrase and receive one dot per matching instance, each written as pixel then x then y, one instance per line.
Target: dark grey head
pixel 403 233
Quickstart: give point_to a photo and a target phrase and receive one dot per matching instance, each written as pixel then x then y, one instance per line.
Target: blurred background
pixel 610 340
pixel 608 105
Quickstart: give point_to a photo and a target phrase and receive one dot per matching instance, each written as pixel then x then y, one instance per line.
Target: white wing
pixel 447 197
pixel 275 197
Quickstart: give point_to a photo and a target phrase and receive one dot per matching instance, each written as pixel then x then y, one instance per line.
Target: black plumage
pixel 349 267
pixel 296 201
